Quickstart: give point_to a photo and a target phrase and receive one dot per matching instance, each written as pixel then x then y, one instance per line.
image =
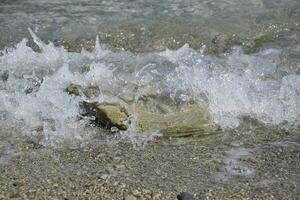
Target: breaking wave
pixel 33 99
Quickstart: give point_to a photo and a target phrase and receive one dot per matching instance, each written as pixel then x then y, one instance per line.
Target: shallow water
pixel 149 25
pixel 236 58
pixel 262 85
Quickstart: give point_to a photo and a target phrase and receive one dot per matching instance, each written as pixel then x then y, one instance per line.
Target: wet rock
pixel 256 43
pixel 74 89
pixel 106 115
pixel 222 43
pixel 185 196
pixel 188 120
pixel 91 91
pixel 171 118
pixel 78 90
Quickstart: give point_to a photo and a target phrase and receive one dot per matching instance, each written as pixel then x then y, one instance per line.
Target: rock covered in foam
pixel 78 90
pixel 74 89
pixel 152 112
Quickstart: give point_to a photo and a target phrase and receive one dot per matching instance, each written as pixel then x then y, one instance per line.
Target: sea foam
pixel 232 85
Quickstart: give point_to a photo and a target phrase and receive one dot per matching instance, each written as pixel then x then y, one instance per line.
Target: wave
pixel 264 85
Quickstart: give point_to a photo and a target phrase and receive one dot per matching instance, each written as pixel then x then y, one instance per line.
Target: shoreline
pixel 248 163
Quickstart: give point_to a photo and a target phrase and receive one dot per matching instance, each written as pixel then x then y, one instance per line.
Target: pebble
pixel 136 193
pixel 130 197
pixel 185 196
pixel 70 198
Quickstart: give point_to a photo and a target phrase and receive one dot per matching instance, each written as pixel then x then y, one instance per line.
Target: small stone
pixel 91 91
pixel 145 191
pixel 157 196
pixel 130 197
pixel 114 130
pixel 136 193
pixel 74 89
pixel 70 198
pixel 185 196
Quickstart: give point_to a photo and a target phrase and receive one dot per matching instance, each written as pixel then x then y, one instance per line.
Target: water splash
pixel 33 97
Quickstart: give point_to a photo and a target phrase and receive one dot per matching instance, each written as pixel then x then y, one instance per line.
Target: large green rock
pixel 151 112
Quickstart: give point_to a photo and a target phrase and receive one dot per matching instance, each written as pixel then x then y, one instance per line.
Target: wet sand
pixel 247 163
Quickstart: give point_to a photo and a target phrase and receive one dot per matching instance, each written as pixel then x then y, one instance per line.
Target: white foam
pixel 231 85
pixel 239 84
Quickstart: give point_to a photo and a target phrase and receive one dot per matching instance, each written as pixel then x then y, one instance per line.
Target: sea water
pixel 35 69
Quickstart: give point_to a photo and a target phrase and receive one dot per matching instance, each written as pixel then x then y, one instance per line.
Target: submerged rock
pixel 78 90
pixel 188 120
pixel 151 112
pixel 74 89
pixel 91 91
pixel 252 45
pixel 106 115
